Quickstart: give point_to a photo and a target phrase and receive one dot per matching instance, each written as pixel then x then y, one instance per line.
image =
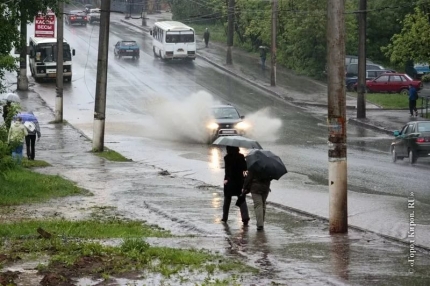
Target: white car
pixel 94 15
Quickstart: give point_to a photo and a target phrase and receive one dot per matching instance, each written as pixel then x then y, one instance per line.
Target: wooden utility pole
pixel 144 12
pixel 337 173
pixel 273 53
pixel 101 82
pixel 230 31
pixel 60 61
pixel 361 86
pixel 22 82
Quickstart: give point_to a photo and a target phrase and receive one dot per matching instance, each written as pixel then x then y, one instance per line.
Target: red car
pixel 391 83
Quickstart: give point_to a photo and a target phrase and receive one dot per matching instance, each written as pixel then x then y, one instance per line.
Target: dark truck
pixel 127 49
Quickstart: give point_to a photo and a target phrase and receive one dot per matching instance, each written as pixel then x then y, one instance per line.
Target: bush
pixel 426 78
pixel 6 161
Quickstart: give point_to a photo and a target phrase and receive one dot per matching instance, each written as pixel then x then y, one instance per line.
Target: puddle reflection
pixel 215 158
pixel 340 254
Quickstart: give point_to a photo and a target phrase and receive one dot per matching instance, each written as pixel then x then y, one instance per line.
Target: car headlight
pixel 242 125
pixel 213 126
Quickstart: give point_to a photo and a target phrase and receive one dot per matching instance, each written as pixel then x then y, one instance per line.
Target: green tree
pixel 413 41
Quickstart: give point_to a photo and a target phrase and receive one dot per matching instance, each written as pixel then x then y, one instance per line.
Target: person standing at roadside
pixel 413 97
pixel 17 133
pixel 259 187
pixel 263 53
pixel 235 166
pixel 206 36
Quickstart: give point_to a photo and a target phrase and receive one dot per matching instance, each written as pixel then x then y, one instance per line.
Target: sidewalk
pixel 293 250
pixel 295 89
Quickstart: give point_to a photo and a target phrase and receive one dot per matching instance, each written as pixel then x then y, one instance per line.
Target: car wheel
pixel 155 54
pixel 404 91
pixel 393 155
pixel 350 87
pixel 412 157
pixel 68 79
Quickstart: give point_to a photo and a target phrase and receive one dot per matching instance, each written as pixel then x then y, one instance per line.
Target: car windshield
pixel 225 113
pixel 48 52
pixel 424 127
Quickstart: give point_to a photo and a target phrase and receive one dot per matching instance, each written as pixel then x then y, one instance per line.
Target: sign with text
pixel 44 26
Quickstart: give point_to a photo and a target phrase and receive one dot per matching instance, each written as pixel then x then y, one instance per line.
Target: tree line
pixel 397 31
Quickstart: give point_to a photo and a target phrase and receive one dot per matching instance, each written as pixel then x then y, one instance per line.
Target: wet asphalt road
pixel 378 188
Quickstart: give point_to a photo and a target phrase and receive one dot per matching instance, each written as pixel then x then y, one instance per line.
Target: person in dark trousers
pixel 206 36
pixel 30 140
pixel 263 53
pixel 235 166
pixel 413 97
pixel 259 187
pixel 6 109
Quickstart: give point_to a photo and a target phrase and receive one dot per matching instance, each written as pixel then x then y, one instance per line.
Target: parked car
pixel 352 69
pixel 416 71
pixel 370 74
pixel 127 49
pixel 226 121
pixel 350 60
pixel 76 17
pixel 94 15
pixel 391 82
pixel 412 142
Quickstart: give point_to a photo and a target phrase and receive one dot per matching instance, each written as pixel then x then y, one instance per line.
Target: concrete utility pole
pixel 230 31
pixel 22 82
pixel 144 11
pixel 60 61
pixel 361 87
pixel 101 83
pixel 273 53
pixel 337 173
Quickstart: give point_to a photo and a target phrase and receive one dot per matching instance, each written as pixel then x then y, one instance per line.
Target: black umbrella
pixel 265 163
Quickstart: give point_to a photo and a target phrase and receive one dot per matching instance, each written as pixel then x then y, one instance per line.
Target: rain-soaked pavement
pixel 293 250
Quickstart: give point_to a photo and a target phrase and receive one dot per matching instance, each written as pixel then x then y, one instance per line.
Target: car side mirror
pixel 242 117
pixel 150 32
pixel 396 133
pixel 73 52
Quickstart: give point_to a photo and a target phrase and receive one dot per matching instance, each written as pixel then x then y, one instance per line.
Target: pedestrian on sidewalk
pixel 17 133
pixel 259 187
pixel 206 36
pixel 413 97
pixel 235 166
pixel 33 129
pixel 263 53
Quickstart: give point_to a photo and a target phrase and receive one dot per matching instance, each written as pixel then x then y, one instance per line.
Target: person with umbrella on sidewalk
pixel 33 129
pixel 235 166
pixel 263 166
pixel 17 133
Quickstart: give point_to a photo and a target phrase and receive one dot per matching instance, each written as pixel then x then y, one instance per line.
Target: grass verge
pixel 35 163
pixel 112 155
pixel 70 256
pixel 21 186
pixel 389 101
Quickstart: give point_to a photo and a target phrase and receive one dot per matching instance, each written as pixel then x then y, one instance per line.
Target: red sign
pixel 44 26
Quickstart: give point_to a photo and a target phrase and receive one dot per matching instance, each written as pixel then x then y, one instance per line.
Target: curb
pixel 358 122
pixel 326 220
pixel 136 26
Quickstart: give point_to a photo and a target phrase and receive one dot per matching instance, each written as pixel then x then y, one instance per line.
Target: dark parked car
pixel 76 17
pixel 352 69
pixel 370 74
pixel 412 142
pixel 127 49
pixel 391 83
pixel 226 121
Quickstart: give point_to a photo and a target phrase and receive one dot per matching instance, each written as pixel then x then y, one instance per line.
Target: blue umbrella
pixel 26 116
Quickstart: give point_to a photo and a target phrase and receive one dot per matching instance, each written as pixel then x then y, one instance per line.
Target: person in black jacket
pixel 235 166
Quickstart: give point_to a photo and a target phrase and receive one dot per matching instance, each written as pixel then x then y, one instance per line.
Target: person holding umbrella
pixel 235 166
pixel 17 133
pixel 33 129
pixel 263 166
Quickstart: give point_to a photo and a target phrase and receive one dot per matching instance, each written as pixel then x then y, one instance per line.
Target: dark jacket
pixel 206 35
pixel 235 165
pixel 256 184
pixel 5 111
pixel 413 95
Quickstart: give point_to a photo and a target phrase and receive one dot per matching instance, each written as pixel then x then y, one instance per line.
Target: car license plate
pixel 228 132
pixel 129 51
pixel 78 17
